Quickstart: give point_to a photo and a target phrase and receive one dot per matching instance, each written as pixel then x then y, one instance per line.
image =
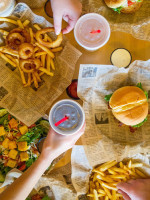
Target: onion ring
pixel 16 37
pixel 22 32
pixel 14 40
pixel 25 50
pixel 30 65
pixel 52 44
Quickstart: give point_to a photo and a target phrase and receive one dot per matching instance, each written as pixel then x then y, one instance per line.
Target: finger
pixel 71 24
pixel 125 196
pixel 125 187
pixel 57 22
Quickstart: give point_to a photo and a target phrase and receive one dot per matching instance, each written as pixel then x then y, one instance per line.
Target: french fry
pixel 43 57
pixel 107 166
pixel 46 71
pixel 106 198
pixel 135 165
pixel 40 53
pixel 48 63
pixel 57 49
pixel 35 80
pixel 37 27
pixel 22 75
pixel 99 172
pixel 121 165
pixel 29 80
pixel 36 49
pixel 114 197
pixel 4 32
pixel 45 49
pixel 92 195
pixel 129 164
pixel 52 64
pixel 95 195
pixel 101 192
pixel 20 24
pixel 104 178
pixel 108 186
pixel 3 19
pixel 111 171
pixel 141 174
pixel 11 58
pixel 45 37
pixel 31 35
pixel 4 49
pixel 37 77
pixel 8 60
pixel 26 22
pixel 4 36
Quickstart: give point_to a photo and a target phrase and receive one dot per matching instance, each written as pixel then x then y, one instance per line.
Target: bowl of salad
pixel 18 142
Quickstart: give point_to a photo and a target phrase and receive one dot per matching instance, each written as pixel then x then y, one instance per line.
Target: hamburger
pixel 129 105
pixel 124 6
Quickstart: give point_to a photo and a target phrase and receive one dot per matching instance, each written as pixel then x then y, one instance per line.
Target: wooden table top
pixel 139 49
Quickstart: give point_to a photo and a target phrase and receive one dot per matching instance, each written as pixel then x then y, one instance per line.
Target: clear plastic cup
pixel 73 111
pixel 87 24
pixel 6 7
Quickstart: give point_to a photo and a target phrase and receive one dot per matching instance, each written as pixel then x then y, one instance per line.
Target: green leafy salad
pixel 18 142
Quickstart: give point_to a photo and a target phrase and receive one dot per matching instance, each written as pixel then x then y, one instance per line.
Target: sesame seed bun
pixel 129 105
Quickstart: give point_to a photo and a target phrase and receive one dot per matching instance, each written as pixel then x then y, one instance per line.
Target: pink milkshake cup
pixel 92 31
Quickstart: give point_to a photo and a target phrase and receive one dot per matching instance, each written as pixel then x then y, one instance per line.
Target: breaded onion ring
pixel 25 50
pixel 30 65
pixel 53 44
pixel 16 37
pixel 23 33
pixel 14 40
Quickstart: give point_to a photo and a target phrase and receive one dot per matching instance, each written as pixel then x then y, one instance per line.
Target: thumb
pixel 125 196
pixel 57 22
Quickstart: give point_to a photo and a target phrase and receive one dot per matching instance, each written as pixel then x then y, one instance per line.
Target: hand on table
pixel 69 10
pixel 135 189
pixel 56 144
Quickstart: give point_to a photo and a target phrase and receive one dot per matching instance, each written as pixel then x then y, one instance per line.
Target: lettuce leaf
pixel 139 85
pixel 118 10
pixel 107 97
pixel 140 124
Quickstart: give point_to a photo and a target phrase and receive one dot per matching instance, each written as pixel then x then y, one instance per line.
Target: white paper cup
pixel 10 5
pixel 71 109
pixel 88 23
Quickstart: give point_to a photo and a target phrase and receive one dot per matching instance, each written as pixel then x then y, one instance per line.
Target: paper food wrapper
pixel 29 104
pixel 81 169
pixel 137 24
pixel 103 136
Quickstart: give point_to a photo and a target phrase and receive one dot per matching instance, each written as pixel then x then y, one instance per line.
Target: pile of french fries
pixel 104 179
pixel 46 55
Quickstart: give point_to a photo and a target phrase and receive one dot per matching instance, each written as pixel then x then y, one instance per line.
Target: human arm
pixel 69 10
pixel 53 146
pixel 135 189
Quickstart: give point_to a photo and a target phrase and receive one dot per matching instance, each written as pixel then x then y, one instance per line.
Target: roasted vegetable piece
pixel 12 154
pixel 5 143
pixel 24 156
pixel 2 131
pixel 13 123
pixel 22 146
pixel 23 130
pixel 11 163
pixel 12 145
